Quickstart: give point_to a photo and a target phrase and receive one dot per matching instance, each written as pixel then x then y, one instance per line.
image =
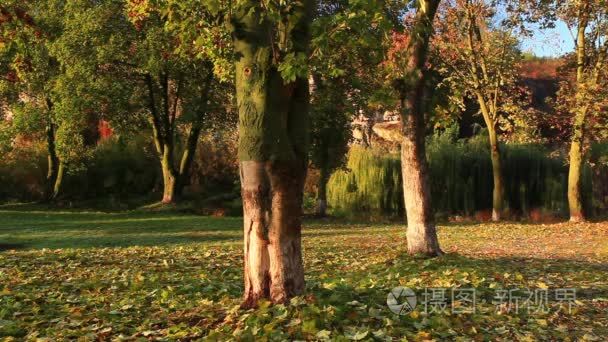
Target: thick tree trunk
pixel 273 153
pixel 321 210
pixel 498 191
pixel 421 231
pixel 272 202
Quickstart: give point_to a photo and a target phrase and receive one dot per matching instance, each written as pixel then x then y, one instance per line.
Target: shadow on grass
pixel 51 229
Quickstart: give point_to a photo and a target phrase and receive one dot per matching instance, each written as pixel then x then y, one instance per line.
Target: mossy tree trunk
pixel 421 230
pixel 273 155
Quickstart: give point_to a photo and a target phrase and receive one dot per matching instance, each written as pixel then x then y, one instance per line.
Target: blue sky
pixel 550 42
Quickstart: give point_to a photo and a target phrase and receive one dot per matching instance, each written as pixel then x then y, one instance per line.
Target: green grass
pixel 164 276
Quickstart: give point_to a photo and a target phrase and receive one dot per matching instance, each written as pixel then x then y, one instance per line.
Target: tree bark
pixel 187 159
pixel 498 191
pixel 58 181
pixel 421 231
pixel 575 202
pixel 55 168
pixel 273 156
pixel 170 178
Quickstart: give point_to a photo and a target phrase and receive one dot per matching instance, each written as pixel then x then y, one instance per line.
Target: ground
pixel 163 276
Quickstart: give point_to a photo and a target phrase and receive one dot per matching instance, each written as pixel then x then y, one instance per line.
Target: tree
pixel 480 60
pixel 408 63
pixel 162 64
pixel 591 20
pixel 271 41
pixel 33 85
pixel 346 46
pixel 330 128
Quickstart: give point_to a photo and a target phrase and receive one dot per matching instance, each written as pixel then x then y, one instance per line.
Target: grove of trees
pixel 296 74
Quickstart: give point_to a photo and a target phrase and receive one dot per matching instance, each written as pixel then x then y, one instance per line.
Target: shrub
pixel 461 180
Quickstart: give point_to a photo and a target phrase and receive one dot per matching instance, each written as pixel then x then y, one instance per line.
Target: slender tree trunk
pixel 322 192
pixel 575 202
pixel 58 181
pixel 495 156
pixel 185 165
pixel 498 191
pixel 421 231
pixel 53 162
pixel 273 157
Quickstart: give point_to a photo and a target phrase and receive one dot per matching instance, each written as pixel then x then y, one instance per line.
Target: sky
pixel 550 42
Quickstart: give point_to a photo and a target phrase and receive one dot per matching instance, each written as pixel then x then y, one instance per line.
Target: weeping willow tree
pixel 370 184
pixel 461 180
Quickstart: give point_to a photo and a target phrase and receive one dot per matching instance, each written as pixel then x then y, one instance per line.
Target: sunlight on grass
pixel 168 276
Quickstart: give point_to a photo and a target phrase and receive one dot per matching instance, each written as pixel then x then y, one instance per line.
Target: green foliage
pixel 370 184
pixel 22 173
pixel 164 276
pixel 120 171
pixel 461 179
pixel 330 124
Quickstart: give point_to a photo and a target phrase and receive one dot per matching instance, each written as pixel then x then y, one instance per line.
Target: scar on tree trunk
pixel 272 202
pixel 273 150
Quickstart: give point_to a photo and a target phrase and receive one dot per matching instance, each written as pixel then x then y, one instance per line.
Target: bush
pixel 461 180
pixel 371 184
pixel 117 172
pixel 23 173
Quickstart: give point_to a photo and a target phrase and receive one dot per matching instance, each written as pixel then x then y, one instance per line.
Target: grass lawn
pixel 163 276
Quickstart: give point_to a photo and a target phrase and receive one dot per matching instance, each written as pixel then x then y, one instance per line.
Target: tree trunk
pixel 575 202
pixel 421 231
pixel 272 203
pixel 58 181
pixel 322 193
pixel 53 163
pixel 185 165
pixel 498 192
pixel 273 156
pixel 170 179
